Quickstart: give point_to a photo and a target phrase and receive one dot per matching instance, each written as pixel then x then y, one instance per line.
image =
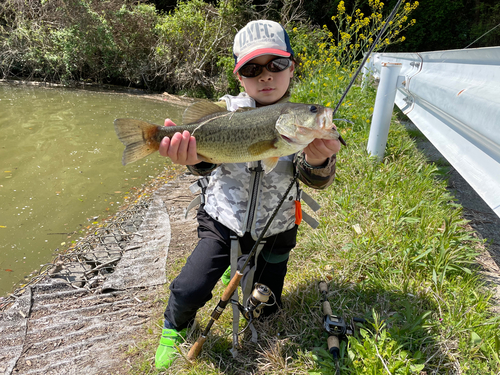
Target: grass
pixel 396 251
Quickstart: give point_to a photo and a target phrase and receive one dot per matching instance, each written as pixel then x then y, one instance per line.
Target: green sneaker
pixel 226 276
pixel 167 350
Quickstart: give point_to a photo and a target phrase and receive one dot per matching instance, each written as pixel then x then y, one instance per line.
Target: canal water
pixel 60 168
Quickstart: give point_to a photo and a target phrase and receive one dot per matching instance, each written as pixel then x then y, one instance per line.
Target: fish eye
pixel 313 109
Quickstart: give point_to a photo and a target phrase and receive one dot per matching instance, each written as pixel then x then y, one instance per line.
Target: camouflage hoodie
pixel 242 197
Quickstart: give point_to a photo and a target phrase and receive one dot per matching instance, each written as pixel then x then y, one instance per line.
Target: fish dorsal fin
pixel 199 110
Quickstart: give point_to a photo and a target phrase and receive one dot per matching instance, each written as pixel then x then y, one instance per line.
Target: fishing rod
pixel 335 326
pixel 367 55
pixel 195 350
pixel 233 284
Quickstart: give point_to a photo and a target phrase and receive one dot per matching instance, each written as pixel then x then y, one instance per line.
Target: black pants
pixel 192 288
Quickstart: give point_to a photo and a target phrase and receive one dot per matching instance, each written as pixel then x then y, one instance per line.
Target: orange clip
pixel 298 213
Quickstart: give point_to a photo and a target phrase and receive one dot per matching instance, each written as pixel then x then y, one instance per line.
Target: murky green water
pixel 60 165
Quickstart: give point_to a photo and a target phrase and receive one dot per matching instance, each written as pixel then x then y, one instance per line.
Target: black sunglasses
pixel 274 66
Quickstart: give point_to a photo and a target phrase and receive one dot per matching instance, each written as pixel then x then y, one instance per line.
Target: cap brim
pixel 260 52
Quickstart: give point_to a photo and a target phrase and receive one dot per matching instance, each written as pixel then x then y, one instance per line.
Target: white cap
pixel 259 38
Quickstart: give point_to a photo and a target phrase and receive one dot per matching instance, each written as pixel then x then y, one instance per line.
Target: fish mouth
pixel 292 141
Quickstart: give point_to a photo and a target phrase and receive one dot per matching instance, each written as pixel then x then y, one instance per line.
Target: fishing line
pixel 233 284
pixel 367 55
pixel 382 31
pixel 487 32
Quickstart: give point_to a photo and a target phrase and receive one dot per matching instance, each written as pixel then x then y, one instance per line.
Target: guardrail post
pixel 382 112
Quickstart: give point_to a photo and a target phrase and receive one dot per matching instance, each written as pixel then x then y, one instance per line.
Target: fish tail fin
pixel 139 138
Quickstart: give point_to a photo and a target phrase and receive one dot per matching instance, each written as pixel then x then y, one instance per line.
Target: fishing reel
pixel 336 325
pixel 260 297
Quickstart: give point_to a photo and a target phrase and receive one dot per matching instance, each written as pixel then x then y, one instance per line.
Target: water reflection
pixel 60 164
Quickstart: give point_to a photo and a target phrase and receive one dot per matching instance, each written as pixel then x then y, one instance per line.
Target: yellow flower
pixel 341 7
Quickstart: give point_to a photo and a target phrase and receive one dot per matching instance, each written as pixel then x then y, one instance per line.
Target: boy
pixel 240 198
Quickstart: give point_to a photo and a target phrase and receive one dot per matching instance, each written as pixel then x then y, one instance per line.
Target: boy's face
pixel 267 88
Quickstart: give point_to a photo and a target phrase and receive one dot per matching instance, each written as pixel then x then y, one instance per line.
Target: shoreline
pixel 106 294
pixel 165 96
pixel 148 187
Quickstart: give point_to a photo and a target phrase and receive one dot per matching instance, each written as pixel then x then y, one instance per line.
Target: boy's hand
pixel 181 148
pixel 321 149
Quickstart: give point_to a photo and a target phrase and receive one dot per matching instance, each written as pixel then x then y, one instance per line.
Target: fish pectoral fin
pixel 260 147
pixel 205 159
pixel 269 164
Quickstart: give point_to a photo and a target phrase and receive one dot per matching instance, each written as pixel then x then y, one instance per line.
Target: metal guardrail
pixel 453 97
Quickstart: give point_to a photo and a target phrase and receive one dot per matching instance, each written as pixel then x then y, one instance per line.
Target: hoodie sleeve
pixel 319 177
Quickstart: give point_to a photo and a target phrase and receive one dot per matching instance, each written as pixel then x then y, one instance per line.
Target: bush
pixel 190 42
pixel 67 40
pixel 187 50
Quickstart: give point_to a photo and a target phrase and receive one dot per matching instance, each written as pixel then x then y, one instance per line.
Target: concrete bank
pixel 90 307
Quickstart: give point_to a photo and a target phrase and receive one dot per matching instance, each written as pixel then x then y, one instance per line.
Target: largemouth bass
pixel 248 134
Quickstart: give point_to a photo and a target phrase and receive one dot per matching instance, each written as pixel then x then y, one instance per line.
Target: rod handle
pixel 333 345
pixel 323 287
pixel 196 348
pixel 231 287
pixel 327 309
